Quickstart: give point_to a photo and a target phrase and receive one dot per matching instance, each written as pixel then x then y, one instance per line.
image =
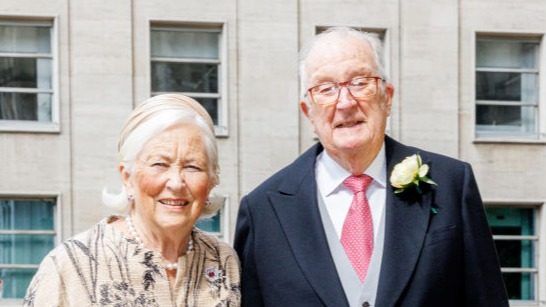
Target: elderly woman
pixel 154 256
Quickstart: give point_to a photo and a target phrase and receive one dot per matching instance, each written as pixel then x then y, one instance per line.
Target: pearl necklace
pixel 167 265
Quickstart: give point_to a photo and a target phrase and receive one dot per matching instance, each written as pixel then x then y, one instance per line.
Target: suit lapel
pixel 406 224
pixel 297 210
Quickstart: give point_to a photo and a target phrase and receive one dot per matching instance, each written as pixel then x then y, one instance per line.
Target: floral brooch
pixel 410 173
pixel 214 276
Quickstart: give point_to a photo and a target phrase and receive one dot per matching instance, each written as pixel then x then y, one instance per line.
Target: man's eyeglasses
pixel 359 87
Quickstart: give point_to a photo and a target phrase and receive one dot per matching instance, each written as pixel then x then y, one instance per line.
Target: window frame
pixel 56 232
pixel 539 259
pixel 35 126
pixel 221 128
pixel 538 133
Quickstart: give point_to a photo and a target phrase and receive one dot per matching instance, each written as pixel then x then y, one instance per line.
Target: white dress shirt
pixel 330 176
pixel 337 199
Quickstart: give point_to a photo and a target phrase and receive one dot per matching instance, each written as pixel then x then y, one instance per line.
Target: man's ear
pixel 389 93
pixel 304 107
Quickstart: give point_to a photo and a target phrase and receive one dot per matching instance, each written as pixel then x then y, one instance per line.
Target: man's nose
pixel 345 100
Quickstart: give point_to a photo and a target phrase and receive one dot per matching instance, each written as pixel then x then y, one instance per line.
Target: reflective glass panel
pixel 212 224
pixel 23 106
pixel 26 214
pixel 25 39
pixel 180 43
pixel 15 282
pixel 516 253
pixel 25 72
pixel 511 221
pixel 25 249
pixel 520 286
pixel 184 77
pixel 498 115
pixel 498 53
pixel 211 105
pixel 506 86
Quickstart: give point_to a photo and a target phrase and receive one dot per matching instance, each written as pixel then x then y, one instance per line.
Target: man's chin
pixel 351 142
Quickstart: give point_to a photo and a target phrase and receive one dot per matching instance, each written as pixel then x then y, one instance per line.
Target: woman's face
pixel 170 181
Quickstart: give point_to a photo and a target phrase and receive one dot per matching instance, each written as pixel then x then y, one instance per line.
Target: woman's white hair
pixel 148 119
pixel 326 38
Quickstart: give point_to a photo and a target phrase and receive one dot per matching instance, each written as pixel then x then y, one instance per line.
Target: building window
pixel 26 73
pixel 218 224
pixel 27 234
pixel 507 87
pixel 187 60
pixel 515 233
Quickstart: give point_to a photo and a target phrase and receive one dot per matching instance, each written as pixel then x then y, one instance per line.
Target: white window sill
pixel 221 131
pixel 519 303
pixel 499 140
pixel 11 302
pixel 29 126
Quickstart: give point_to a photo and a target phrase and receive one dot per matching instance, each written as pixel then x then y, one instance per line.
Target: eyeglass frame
pixel 343 84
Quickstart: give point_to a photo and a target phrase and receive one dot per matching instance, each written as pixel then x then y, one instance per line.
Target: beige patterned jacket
pixel 101 267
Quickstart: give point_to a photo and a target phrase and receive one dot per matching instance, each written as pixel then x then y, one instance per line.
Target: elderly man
pixel 360 219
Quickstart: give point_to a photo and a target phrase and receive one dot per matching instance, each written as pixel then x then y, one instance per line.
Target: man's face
pixel 348 126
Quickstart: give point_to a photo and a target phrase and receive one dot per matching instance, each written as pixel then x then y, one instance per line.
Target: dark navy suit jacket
pixel 438 248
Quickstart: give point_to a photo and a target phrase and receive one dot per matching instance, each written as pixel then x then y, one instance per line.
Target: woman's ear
pixel 125 175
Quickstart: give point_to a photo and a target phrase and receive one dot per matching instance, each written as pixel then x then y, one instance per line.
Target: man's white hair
pixel 371 39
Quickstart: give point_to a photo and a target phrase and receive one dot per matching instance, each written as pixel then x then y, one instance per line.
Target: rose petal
pixel 423 170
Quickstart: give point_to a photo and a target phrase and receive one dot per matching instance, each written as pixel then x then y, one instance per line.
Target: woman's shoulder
pixel 211 243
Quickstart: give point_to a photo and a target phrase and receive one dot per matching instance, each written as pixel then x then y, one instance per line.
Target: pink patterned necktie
pixel 357 233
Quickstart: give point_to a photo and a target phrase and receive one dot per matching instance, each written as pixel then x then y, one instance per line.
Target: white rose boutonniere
pixel 408 173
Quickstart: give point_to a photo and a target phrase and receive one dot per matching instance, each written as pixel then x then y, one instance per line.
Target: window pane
pixel 211 105
pixel 210 224
pixel 498 115
pixel 25 39
pixel 498 86
pixel 506 54
pixel 26 214
pixel 516 253
pixel 520 286
pixel 184 77
pixel 25 72
pixel 23 106
pixel 506 86
pixel 185 44
pixel 25 249
pixel 15 282
pixel 511 221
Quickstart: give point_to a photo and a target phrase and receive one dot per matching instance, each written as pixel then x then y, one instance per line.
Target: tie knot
pixel 358 183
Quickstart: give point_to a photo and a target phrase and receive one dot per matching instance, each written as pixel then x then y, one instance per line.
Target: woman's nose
pixel 176 180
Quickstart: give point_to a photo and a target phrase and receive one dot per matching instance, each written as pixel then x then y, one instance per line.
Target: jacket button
pixel 365 304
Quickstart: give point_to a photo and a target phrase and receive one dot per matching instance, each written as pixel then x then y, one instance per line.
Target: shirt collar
pixel 332 175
